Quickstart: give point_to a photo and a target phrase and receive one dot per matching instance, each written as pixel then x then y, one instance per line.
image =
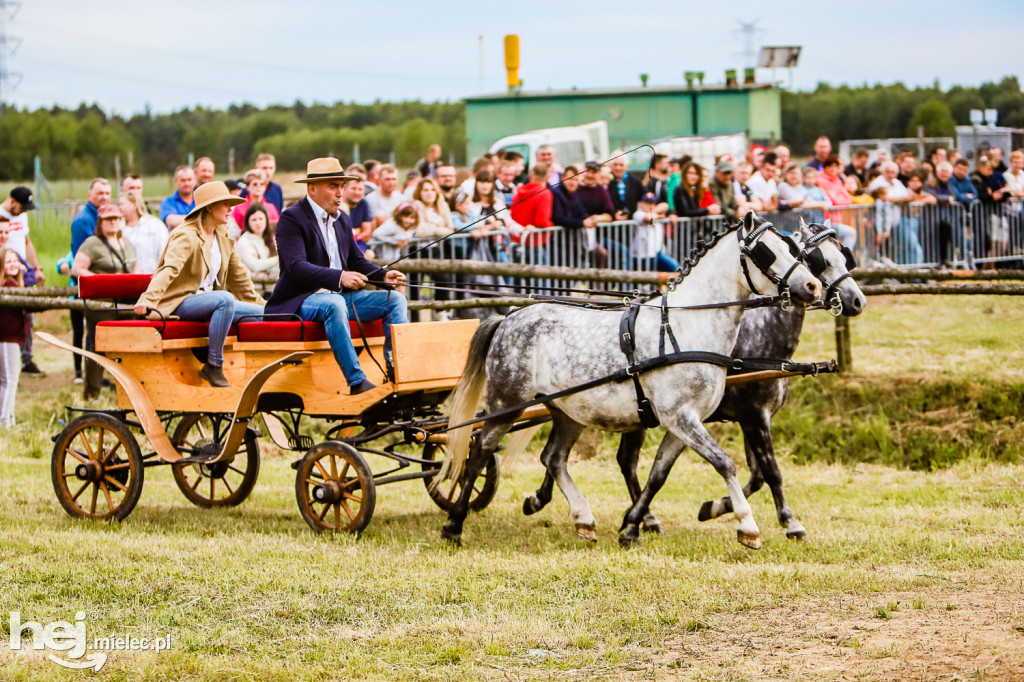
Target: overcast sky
pixel 127 54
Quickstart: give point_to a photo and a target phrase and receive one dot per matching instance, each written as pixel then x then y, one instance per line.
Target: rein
pixel 734 365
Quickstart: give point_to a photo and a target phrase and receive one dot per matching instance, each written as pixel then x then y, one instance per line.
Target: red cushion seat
pixel 175 329
pixel 116 286
pixel 270 331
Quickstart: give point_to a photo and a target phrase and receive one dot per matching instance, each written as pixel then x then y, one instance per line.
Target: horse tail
pixel 516 446
pixel 466 399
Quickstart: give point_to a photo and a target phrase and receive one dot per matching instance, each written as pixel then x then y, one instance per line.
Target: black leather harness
pixel 762 256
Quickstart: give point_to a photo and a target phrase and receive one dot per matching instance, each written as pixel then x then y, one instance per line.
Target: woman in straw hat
pixel 200 277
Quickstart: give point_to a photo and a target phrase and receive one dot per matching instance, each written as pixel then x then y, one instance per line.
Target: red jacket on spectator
pixel 836 192
pixel 531 205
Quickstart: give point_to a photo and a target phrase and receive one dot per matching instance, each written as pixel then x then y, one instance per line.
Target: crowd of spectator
pixel 505 205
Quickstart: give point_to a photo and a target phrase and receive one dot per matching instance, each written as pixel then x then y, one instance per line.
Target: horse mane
pixel 701 250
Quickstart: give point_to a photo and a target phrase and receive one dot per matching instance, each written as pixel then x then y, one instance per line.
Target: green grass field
pixel 907 475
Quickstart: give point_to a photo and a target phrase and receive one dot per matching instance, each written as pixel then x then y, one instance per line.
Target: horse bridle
pixel 817 264
pixel 762 256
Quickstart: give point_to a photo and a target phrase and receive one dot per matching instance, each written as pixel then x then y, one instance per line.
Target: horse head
pixel 771 260
pixel 831 263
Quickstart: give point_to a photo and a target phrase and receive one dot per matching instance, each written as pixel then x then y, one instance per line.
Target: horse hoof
pixel 798 534
pixel 705 511
pixel 532 505
pixel 629 537
pixel 587 531
pixel 748 539
pixel 452 537
pixel 652 525
pixel 626 542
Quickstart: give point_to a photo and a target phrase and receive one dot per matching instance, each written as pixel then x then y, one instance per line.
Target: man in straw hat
pixel 323 273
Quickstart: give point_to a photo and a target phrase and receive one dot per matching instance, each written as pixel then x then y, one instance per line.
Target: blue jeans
pixel 661 262
pixel 222 310
pixel 334 311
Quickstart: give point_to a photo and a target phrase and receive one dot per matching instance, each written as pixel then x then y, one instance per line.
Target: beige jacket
pixel 185 264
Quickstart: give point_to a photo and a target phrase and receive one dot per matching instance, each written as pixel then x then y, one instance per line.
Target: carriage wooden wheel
pixel 216 484
pixel 97 468
pixel 334 488
pixel 446 492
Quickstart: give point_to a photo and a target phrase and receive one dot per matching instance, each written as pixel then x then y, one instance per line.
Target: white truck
pixel 573 145
pixel 704 150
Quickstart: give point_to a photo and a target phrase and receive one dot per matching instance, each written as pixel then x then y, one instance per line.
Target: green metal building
pixel 634 115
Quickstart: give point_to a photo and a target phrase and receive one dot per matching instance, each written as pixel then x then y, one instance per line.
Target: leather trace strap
pixel 627 344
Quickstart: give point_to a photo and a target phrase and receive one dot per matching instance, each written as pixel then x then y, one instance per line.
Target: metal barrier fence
pixel 998 233
pixel 907 236
pixel 911 236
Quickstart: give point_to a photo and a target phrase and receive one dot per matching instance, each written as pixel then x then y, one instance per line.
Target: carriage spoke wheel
pixel 96 468
pixel 217 484
pixel 334 488
pixel 447 492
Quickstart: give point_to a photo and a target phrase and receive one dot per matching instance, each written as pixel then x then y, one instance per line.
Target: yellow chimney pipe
pixel 512 60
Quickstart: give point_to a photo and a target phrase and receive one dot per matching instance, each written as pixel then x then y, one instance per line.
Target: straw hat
pixel 210 193
pixel 328 168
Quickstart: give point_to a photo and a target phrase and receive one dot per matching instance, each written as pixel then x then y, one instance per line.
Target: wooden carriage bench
pixel 157 335
pixel 165 355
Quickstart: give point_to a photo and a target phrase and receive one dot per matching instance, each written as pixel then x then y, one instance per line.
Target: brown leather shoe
pixel 213 375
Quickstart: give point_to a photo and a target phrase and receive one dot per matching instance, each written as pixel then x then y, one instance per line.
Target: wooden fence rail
pixel 919 282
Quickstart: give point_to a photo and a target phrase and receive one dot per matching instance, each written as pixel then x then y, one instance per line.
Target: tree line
pixel 884 111
pixel 83 142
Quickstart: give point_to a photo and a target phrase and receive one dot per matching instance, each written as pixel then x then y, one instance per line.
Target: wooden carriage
pixel 281 368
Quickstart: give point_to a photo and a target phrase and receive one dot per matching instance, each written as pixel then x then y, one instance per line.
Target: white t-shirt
pixel 1016 184
pixel 897 190
pixel 384 206
pixel 761 188
pixel 215 260
pixel 648 239
pixel 18 233
pixel 149 238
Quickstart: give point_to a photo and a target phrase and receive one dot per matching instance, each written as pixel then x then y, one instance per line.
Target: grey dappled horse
pixel 764 332
pixel 546 348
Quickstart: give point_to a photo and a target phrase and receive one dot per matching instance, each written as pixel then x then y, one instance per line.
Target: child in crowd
pixel 390 239
pixel 885 214
pixel 13 327
pixel 650 235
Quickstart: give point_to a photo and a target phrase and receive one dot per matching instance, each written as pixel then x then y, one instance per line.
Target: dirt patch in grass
pixel 951 631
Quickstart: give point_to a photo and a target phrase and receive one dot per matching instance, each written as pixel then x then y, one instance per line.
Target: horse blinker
pixel 851 261
pixel 762 256
pixel 816 262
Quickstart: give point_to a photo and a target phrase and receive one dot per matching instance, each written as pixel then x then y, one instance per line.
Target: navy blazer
pixel 305 265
